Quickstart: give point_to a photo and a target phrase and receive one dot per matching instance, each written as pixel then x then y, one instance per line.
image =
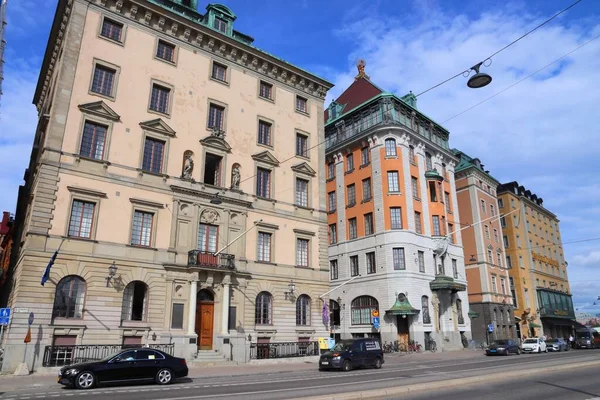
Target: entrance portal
pixel 204 319
pixel 403 331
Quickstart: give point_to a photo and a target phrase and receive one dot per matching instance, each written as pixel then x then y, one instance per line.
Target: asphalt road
pixel 299 384
pixel 576 384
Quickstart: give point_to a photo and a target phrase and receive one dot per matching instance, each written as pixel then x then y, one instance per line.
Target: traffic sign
pixel 491 328
pixel 4 316
pixel 375 313
pixel 30 318
pixel 376 322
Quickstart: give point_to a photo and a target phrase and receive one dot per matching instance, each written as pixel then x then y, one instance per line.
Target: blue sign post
pixel 4 316
pixel 376 322
pixel 491 328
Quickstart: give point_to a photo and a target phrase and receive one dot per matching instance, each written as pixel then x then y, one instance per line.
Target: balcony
pixel 205 259
pixel 442 282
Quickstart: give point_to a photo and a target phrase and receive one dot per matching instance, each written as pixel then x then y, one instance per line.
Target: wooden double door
pixel 205 307
pixel 403 331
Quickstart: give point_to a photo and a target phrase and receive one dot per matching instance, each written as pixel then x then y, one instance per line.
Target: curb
pixel 447 383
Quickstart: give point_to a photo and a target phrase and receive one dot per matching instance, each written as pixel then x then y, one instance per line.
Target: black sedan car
pixel 142 364
pixel 503 347
pixel 557 345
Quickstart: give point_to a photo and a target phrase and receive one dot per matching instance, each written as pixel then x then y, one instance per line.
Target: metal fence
pixel 261 351
pixel 58 356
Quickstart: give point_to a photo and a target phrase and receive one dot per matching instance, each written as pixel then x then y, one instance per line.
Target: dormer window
pixel 220 25
pixel 333 111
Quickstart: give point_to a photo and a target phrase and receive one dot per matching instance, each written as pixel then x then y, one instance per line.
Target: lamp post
pixel 480 79
pixel 112 271
pixel 289 294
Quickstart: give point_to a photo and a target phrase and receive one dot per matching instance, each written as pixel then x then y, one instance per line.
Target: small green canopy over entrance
pixel 402 307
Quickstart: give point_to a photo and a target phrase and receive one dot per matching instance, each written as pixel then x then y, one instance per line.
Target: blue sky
pixel 542 132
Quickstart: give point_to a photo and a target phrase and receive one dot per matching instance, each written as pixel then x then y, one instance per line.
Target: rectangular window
pixel 141 233
pixel 508 262
pixel 371 268
pixel 513 292
pixel 503 222
pixel 82 219
pixel 208 236
pixel 369 229
pixel 332 234
pixel 454 269
pixel 353 265
pixel 350 162
pixel 421 258
pixel 159 101
pixel 112 30
pixel 266 90
pixel 301 104
pixel 415 187
pixel 331 201
pixel 499 258
pixel 301 145
pixel 301 192
pixel 302 252
pixel 494 288
pixel 154 151
pixel 263 183
pixel 436 225
pixel 398 258
pixel 352 228
pixel 492 211
pixel 165 51
pixel 496 238
pixel 264 246
pixel 104 80
pixel 447 201
pixel 177 316
pixel 366 188
pixel 451 233
pixel 418 227
pixel 220 25
pixel 505 240
pixel 93 140
pixel 483 206
pixel 216 117
pixel 411 155
pixel 264 133
pixel 487 231
pixel 331 170
pixel 502 285
pixel 393 182
pixel 432 192
pixel 390 148
pixel 351 195
pixel 500 203
pixel 518 241
pixel 364 156
pixel 212 169
pixel 333 269
pixel 521 264
pixel 396 217
pixel 490 257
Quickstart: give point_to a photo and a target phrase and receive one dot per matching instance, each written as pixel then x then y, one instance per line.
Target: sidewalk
pixel 48 378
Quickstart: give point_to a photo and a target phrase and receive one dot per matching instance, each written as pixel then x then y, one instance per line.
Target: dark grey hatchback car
pixel 353 353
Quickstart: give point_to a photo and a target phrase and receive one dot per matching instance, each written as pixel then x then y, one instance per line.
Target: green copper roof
pixel 467 162
pixel 472 314
pixel 402 307
pixel 200 19
pixel 433 174
pixel 446 283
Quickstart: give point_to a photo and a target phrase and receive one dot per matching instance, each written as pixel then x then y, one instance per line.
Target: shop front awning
pixel 402 307
pixel 472 314
pixel 562 322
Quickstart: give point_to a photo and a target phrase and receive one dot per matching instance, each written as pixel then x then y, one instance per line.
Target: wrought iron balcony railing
pixel 259 351
pixel 201 258
pixel 58 356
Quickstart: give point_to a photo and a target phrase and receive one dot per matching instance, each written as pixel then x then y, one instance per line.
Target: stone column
pixel 225 310
pixel 192 307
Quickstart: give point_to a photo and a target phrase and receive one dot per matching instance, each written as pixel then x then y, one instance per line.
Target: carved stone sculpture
pixel 235 177
pixel 188 167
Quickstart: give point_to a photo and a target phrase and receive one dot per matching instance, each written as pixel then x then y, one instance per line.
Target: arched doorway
pixel 204 319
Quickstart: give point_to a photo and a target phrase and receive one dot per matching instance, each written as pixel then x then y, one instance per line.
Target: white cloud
pixel 541 133
pixel 592 258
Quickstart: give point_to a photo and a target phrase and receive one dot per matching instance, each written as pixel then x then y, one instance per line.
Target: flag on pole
pixel 28 336
pixel 46 275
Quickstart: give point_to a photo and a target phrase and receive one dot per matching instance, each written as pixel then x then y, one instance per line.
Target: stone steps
pixel 209 358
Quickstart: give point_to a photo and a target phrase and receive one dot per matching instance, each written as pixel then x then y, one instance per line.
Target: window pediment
pixel 266 157
pixel 100 109
pixel 216 142
pixel 158 126
pixel 304 168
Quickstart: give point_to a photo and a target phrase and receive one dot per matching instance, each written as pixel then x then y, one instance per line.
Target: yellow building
pixel 538 272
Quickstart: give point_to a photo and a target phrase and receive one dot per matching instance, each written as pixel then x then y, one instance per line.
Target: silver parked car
pixel 557 345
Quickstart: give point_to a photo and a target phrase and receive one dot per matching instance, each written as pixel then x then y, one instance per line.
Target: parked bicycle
pixel 414 347
pixel 430 344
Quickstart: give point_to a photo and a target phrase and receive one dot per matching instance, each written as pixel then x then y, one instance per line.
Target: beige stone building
pixel 173 166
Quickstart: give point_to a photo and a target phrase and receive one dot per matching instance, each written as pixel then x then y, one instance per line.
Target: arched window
pixel 134 301
pixel 362 307
pixel 425 310
pixel 390 147
pixel 303 310
pixel 262 315
pixel 459 312
pixel 428 163
pixel 69 297
pixel 411 154
pixel 444 170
